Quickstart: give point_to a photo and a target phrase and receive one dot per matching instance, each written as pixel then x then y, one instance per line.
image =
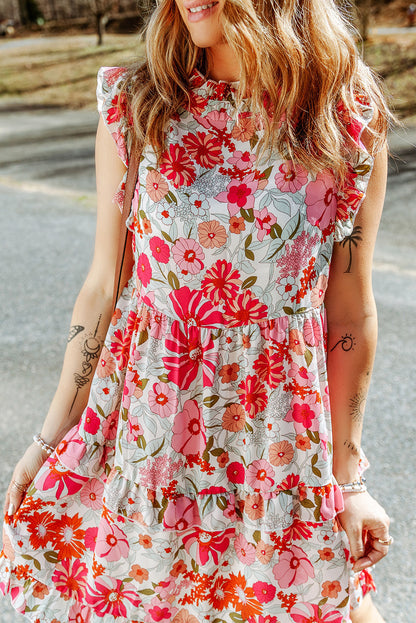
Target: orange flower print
pixel 243 597
pixel 139 574
pixel 40 590
pixel 245 128
pixel 220 594
pixel 145 541
pixel 303 443
pixel 281 453
pixel 331 589
pixel 326 554
pixel 264 552
pixel 212 234
pixel 296 342
pixel 183 616
pixel 234 418
pixel 237 224
pixel 229 372
pixel 107 365
pixel 318 292
pixel 156 185
pixel 254 506
pixel 68 537
pixel 223 459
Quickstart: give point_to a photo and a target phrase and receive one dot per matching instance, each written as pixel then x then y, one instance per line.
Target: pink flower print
pixel 246 552
pixel 312 332
pixel 212 234
pixel 264 221
pixel 79 614
pixel 90 539
pixel 191 307
pixel 166 588
pixel 54 474
pixel 189 353
pixel 163 400
pixel 181 513
pixel 91 422
pixel 156 185
pixel 188 255
pixel 296 342
pixel 159 249
pixel 144 270
pixel 177 166
pixel 260 475
pixel 221 282
pixel 318 292
pixel 304 413
pixel 135 429
pixel 106 365
pixel 71 449
pixel 159 471
pixel 253 395
pixel 70 579
pixel 188 431
pixel 159 611
pixel 242 160
pixel 244 309
pixel 92 494
pixel 217 119
pixel 130 384
pixel 158 325
pixel 305 613
pixel 264 592
pixel 281 453
pixel 204 148
pixel 245 128
pixel 110 425
pixel 293 568
pixel 269 367
pixel 112 543
pixel 291 177
pixel 321 200
pixel 301 375
pixel 208 544
pixel 239 194
pixel 236 472
pixel 108 596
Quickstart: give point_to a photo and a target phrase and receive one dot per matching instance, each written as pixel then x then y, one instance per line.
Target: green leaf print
pixel 288 310
pixel 159 449
pixel 248 283
pixel 257 535
pixel 163 378
pixel 222 502
pixel 315 470
pixel 343 603
pixel 143 337
pixel 195 567
pixel 317 511
pixel 248 215
pixel 146 591
pixel 266 173
pixel 166 236
pixel 36 563
pixel 217 451
pixel 51 556
pixel 237 618
pixel 308 357
pixel 249 254
pixel 173 281
pixel 313 436
pixel 307 503
pixel 210 401
pixel 248 241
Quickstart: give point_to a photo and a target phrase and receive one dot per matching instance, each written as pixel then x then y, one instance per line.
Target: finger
pixel 355 537
pixel 15 500
pixel 374 555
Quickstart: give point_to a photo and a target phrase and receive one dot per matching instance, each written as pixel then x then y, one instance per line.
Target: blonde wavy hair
pixel 301 52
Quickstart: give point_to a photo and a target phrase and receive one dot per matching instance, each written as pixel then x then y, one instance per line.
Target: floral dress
pixel 198 484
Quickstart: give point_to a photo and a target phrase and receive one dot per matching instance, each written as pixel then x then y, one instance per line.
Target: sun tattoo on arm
pixel 91 350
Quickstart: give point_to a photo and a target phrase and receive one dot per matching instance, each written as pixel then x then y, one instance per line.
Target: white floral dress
pixel 198 484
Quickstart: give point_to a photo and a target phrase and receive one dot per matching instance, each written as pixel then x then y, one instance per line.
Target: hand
pixel 365 521
pixel 24 472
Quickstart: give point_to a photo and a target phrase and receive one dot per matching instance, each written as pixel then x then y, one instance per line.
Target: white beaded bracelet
pixel 45 446
pixel 357 486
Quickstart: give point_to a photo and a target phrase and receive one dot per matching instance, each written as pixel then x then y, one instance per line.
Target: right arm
pixel 90 319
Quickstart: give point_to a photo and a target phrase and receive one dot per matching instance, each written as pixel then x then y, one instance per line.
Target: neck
pixel 222 63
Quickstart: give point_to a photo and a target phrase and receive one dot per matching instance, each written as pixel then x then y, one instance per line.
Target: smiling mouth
pixel 203 7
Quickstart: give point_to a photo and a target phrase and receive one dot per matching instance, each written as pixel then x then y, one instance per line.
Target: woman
pixel 201 473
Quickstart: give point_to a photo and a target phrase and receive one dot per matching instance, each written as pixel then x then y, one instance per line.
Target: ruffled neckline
pixel 210 88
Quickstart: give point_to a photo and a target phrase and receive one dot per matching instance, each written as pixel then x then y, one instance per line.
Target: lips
pixel 195 5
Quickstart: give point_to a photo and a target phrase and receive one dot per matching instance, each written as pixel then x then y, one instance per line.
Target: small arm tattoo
pixel 75 330
pixel 351 446
pixel 91 349
pixel 352 240
pixel 357 406
pixel 347 343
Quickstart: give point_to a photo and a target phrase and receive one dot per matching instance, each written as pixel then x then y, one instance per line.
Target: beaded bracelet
pixel 357 486
pixel 45 446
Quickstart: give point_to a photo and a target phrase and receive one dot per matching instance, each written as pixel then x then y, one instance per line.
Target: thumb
pixel 355 537
pixel 14 500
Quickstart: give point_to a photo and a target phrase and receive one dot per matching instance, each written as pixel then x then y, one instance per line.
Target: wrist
pixel 45 447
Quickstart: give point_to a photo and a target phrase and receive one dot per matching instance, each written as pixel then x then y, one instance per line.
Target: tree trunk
pixel 100 27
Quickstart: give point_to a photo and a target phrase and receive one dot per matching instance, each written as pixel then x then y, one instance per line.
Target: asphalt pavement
pixel 47 220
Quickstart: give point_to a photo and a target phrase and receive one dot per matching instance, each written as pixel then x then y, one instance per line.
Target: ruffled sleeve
pixel 112 105
pixel 360 165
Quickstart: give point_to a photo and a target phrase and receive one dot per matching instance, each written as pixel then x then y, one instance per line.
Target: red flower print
pixel 120 347
pixel 291 177
pixel 269 367
pixel 290 482
pixel 191 307
pixel 144 270
pixel 70 579
pixel 242 161
pixel 109 596
pixel 177 166
pixel 111 543
pixel 243 597
pixel 189 355
pixel 321 200
pixel 189 430
pixel 159 249
pixel 253 395
pixel 181 514
pixel 326 554
pixel 331 589
pixel 264 592
pixel 293 568
pixel 236 472
pixel 304 413
pixel 208 544
pixel 91 422
pixel 305 613
pixel 68 539
pixel 91 538
pixel 244 309
pixel 118 109
pixel 229 372
pixel 188 255
pixel 204 148
pixel 220 593
pixel 159 611
pixel 221 282
pixel 54 474
pixel 264 221
pixel 239 194
pixel 41 528
pixel 260 475
pixel 212 234
pixel 296 531
pixel 156 186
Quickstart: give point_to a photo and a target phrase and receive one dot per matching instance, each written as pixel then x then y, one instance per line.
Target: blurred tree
pixel 100 9
pixel 364 11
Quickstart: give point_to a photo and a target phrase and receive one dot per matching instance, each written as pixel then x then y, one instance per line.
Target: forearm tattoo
pixel 357 406
pixel 352 241
pixel 351 446
pixel 75 330
pixel 347 343
pixel 90 350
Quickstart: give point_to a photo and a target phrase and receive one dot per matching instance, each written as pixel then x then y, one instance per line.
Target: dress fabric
pixel 198 484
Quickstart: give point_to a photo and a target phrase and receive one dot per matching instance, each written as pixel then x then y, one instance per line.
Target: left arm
pixel 352 337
